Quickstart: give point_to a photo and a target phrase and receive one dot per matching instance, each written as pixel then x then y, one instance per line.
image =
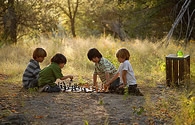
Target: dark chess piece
pixel 70 82
pixel 85 90
pixel 64 83
pixel 61 86
pixel 72 89
pixel 75 89
pixel 65 88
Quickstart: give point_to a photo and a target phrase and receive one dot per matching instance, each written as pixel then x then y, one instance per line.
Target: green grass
pixel 147 59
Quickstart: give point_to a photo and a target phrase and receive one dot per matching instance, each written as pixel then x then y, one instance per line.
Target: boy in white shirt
pixel 126 74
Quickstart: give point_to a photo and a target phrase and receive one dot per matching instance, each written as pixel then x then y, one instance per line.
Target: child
pixel 126 74
pixel 30 75
pixel 103 68
pixel 49 74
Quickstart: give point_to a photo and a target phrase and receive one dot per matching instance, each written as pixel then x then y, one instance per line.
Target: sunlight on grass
pixel 147 59
pixel 186 114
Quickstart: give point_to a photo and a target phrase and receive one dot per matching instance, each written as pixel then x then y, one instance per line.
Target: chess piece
pixel 72 89
pixel 61 86
pixel 64 88
pixel 70 82
pixel 75 87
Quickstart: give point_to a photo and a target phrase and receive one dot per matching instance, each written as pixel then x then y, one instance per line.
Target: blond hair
pixel 123 53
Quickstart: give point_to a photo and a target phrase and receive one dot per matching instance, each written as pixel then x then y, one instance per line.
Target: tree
pixel 102 17
pixel 120 18
pixel 186 15
pixel 25 18
pixel 35 17
pixel 70 9
pixel 10 22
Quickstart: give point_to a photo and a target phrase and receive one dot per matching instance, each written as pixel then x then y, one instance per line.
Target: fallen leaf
pixel 38 116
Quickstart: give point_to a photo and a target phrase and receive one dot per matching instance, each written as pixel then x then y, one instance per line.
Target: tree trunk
pixel 72 14
pixel 73 28
pixel 10 23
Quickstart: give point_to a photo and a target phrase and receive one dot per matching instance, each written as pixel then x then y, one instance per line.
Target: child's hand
pixel 107 84
pixel 94 86
pixel 122 86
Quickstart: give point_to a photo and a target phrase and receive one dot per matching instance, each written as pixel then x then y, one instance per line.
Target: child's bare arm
pixel 107 76
pixel 124 73
pixel 67 76
pixel 112 79
pixel 94 79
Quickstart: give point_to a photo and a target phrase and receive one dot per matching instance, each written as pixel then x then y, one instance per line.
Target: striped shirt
pixel 31 72
pixel 104 66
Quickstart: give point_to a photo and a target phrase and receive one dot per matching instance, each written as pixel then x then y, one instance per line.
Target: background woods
pixel 122 19
pixel 54 24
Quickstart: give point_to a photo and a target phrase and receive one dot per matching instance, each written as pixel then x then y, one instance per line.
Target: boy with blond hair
pixel 126 74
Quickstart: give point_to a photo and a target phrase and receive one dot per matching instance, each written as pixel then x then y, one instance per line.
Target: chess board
pixel 74 87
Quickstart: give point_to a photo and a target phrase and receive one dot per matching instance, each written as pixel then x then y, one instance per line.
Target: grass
pixel 147 59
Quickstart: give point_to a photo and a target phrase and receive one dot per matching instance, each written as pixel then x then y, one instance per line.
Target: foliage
pixel 138 110
pixel 185 15
pixel 145 17
pixel 33 17
pixel 84 18
pixel 39 17
pixel 32 90
pixel 85 122
pixel 126 92
pixel 187 112
pixel 101 102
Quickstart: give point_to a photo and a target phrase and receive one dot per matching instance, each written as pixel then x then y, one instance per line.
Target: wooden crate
pixel 177 70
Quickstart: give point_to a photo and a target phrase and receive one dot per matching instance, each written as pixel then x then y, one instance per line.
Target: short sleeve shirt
pixel 49 74
pixel 126 65
pixel 104 66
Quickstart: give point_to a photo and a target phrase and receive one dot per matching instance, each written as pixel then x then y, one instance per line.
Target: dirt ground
pixel 20 107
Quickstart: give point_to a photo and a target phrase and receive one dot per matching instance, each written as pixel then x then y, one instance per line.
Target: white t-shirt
pixel 130 74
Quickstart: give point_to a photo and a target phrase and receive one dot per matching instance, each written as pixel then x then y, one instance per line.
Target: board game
pixel 74 87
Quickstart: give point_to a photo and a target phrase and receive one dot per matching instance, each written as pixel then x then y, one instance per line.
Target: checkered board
pixel 74 87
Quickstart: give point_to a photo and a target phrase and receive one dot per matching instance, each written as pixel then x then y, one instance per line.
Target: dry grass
pixel 147 59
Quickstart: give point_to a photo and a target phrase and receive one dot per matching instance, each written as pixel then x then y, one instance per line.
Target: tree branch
pixel 177 20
